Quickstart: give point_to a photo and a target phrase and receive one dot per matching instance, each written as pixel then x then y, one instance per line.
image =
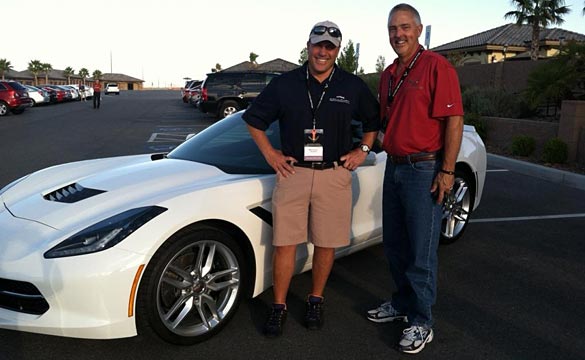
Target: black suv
pixel 224 93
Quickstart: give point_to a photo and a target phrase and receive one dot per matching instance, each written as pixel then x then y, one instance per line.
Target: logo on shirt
pixel 450 105
pixel 339 99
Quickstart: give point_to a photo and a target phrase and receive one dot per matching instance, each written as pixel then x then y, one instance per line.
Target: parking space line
pixel 497 170
pixel 528 218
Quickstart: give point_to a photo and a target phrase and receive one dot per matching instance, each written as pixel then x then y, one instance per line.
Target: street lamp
pixel 561 41
pixel 504 49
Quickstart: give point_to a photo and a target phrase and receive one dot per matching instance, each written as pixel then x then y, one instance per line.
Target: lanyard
pixel 313 109
pixel 392 94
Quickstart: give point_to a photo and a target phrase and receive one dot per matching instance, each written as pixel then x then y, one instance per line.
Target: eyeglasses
pixel 321 29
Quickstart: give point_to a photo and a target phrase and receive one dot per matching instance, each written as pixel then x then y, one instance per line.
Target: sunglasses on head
pixel 321 29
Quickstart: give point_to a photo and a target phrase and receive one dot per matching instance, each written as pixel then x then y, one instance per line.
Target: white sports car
pixel 169 243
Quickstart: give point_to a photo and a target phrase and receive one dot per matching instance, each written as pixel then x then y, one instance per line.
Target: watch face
pixel 365 148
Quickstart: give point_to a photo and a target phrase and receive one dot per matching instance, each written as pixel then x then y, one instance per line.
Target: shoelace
pixel 412 332
pixel 314 311
pixel 275 317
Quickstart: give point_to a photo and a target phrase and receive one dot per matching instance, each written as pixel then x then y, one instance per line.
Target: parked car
pixel 72 90
pixel 224 93
pixel 194 95
pixel 38 96
pixel 13 97
pixel 190 87
pixel 61 95
pixel 112 88
pixel 169 243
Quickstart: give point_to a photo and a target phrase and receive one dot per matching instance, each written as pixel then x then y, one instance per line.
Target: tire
pixel 457 208
pixel 192 286
pixel 3 108
pixel 17 111
pixel 227 108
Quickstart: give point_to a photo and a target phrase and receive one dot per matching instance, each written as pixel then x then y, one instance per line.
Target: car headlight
pixel 106 233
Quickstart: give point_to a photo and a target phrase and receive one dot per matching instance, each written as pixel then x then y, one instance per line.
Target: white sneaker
pixel 385 313
pixel 414 339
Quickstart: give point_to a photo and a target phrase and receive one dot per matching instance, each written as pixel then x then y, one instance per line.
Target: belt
pixel 412 158
pixel 317 165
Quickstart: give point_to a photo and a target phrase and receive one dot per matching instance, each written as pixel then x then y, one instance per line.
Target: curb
pixel 566 178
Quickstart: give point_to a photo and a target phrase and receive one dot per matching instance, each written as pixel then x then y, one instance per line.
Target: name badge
pixel 313 150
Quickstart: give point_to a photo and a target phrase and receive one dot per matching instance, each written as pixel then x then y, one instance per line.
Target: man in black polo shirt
pixel 312 199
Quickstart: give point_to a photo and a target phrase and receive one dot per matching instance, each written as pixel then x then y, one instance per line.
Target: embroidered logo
pixel 450 105
pixel 339 99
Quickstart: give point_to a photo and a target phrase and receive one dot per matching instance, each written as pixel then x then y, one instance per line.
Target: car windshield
pixel 228 146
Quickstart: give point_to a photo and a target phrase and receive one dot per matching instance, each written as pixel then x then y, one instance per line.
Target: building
pixel 56 77
pixel 276 65
pixel 507 42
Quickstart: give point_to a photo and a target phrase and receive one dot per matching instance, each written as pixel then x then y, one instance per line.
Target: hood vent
pixel 71 194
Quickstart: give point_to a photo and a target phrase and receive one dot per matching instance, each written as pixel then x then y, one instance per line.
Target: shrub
pixel 523 145
pixel 476 121
pixel 555 151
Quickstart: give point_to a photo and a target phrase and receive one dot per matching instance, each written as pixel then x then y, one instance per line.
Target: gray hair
pixel 405 7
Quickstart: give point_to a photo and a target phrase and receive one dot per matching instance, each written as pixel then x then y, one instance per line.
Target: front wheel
pixel 457 208
pixel 192 286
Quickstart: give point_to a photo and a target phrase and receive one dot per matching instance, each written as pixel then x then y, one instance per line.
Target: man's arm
pixel 443 183
pixel 274 158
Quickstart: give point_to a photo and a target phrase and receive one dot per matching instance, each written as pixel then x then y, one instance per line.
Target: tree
pixel 380 64
pixel 347 60
pixel 538 14
pixel 68 72
pixel 217 68
pixel 35 67
pixel 97 74
pixel 84 74
pixel 253 58
pixel 303 56
pixel 561 78
pixel 46 68
pixel 5 66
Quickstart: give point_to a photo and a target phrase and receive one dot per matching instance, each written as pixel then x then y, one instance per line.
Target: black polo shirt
pixel 286 99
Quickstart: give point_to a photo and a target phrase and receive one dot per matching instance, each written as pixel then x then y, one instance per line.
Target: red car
pixel 13 97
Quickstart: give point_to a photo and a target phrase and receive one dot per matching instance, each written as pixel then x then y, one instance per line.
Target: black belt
pixel 317 165
pixel 412 158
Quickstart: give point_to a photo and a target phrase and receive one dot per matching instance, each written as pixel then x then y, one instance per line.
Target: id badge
pixel 313 150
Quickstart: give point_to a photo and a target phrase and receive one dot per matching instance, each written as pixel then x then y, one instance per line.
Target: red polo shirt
pixel 97 87
pixel 429 94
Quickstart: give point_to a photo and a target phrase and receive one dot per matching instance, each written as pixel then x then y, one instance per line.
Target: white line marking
pixel 497 170
pixel 528 218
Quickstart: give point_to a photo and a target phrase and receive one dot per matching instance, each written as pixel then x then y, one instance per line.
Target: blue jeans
pixel 411 227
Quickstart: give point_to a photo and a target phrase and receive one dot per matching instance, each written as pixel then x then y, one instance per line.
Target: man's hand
pixel 442 185
pixel 280 163
pixel 353 159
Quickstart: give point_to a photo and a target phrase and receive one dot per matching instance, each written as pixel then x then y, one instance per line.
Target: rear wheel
pixel 192 286
pixel 227 108
pixel 3 108
pixel 457 208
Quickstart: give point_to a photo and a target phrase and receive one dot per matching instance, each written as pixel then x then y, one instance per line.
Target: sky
pixel 162 42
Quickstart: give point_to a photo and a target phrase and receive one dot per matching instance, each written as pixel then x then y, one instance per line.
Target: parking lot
pixel 512 288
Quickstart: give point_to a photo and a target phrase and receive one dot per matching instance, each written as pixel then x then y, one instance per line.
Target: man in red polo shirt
pixel 97 93
pixel 420 101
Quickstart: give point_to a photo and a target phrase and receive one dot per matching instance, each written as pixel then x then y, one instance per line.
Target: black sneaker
pixel 314 316
pixel 275 321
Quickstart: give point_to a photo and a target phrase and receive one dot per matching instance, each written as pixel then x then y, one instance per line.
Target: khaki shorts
pixel 312 205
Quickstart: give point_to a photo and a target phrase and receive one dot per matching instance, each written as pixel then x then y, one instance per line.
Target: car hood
pixel 85 191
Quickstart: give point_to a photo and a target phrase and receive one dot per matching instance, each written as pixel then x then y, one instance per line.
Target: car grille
pixel 71 194
pixel 22 297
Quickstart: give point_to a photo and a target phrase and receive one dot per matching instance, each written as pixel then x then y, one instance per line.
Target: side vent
pixel 263 214
pixel 71 194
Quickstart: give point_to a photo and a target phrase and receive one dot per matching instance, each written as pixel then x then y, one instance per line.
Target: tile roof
pixel 510 35
pixel 276 65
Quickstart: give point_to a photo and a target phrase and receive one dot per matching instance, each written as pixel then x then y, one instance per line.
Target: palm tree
pixel 35 67
pixel 539 14
pixel 47 69
pixel 97 74
pixel 84 73
pixel 68 72
pixel 4 67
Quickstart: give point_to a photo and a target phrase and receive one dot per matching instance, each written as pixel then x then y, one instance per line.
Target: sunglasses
pixel 321 29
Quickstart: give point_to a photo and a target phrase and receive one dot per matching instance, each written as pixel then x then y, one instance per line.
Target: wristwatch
pixel 365 148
